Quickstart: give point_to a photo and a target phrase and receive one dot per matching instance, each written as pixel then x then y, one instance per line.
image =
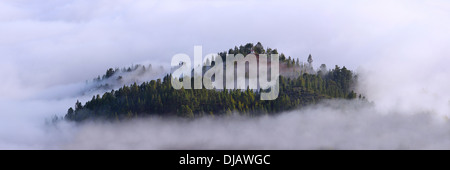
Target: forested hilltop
pixel 300 85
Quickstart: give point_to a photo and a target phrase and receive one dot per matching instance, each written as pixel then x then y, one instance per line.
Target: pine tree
pixel 310 60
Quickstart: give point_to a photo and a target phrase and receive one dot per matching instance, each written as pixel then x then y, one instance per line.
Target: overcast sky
pixel 399 48
pixel 50 42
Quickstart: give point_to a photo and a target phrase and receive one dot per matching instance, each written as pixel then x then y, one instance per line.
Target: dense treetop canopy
pixel 158 98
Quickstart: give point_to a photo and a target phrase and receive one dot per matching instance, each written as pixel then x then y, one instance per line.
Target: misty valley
pixel 224 75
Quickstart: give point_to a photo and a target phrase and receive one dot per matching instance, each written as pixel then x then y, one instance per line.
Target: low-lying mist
pixel 400 46
pixel 406 110
pixel 334 124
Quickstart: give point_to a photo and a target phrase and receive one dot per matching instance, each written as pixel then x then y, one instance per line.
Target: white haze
pixel 332 125
pixel 399 49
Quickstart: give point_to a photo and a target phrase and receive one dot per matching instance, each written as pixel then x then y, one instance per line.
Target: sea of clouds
pixel 398 49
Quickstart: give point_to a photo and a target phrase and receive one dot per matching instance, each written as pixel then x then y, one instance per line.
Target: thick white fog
pixel 399 49
pixel 333 125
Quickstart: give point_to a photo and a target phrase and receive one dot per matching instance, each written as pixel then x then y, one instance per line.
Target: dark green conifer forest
pixel 159 98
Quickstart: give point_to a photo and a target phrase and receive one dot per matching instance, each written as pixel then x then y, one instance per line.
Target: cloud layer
pixel 54 42
pixel 331 125
pixel 399 49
